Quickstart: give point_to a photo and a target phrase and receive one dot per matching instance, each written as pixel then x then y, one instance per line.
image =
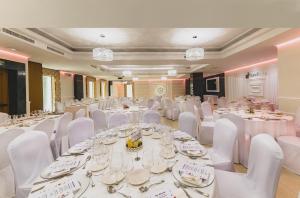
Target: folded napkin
pixel 63 166
pixel 194 173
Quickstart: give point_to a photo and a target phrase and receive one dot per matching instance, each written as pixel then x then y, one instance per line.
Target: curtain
pixel 271 84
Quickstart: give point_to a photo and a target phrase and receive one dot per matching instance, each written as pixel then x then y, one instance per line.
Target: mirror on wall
pixel 12 87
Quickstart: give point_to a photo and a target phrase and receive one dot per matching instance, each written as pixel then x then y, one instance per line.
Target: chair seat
pixel 290 146
pixel 220 162
pixel 234 185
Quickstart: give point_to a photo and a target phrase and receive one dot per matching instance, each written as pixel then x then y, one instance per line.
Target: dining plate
pixel 112 178
pixel 138 177
pixel 159 168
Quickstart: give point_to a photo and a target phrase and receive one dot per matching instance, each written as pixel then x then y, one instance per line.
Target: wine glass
pixel 148 159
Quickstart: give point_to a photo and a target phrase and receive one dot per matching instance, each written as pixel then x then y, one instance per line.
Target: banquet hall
pixel 149 107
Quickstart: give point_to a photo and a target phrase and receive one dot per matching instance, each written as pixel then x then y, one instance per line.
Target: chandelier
pixel 194 54
pixel 103 54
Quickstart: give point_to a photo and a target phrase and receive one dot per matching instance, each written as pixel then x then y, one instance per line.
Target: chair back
pixel 3 117
pixel 93 107
pixel 99 118
pixel 59 107
pixel 206 109
pixel 46 126
pixel 264 166
pixel 80 130
pixel 29 154
pixel 150 103
pixel 188 123
pixel 151 116
pixel 224 138
pixel 117 119
pixel 7 184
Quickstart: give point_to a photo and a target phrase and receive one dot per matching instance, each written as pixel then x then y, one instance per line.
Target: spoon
pixel 90 174
pixel 171 167
pixel 196 189
pixel 112 189
pixel 146 188
pixel 86 160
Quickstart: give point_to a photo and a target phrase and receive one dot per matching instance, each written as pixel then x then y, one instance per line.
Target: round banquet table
pixel 100 189
pixel 261 122
pixel 134 113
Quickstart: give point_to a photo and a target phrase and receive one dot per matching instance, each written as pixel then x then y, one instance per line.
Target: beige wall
pixel 66 86
pixel 147 89
pixel 289 77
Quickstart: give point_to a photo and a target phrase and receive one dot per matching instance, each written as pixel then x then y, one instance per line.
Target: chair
pixel 80 130
pixel 297 122
pixel 261 179
pixel 207 111
pixel 92 107
pixel 151 116
pixel 59 139
pixel 205 129
pixel 290 146
pixel 187 123
pixel 117 119
pixel 150 103
pixel 46 126
pixel 222 102
pixel 3 117
pixel 155 106
pixel 224 138
pixel 79 114
pixel 29 154
pixel 99 119
pixel 172 112
pixel 7 183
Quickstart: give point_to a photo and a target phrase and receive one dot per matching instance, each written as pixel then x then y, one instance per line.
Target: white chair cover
pixel 92 107
pixel 173 111
pixel 297 122
pixel 59 107
pixel 79 114
pixel 151 116
pixel 117 119
pixel 99 118
pixel 29 154
pixel 59 139
pixel 46 126
pixel 225 134
pixel 80 130
pixel 187 123
pixel 207 111
pixel 189 106
pixel 261 180
pixel 155 106
pixel 205 129
pixel 150 103
pixel 222 102
pixel 290 146
pixel 7 184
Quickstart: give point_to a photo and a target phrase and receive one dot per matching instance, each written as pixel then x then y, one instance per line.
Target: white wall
pixel 66 86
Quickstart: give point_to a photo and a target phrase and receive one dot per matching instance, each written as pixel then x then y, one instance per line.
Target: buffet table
pixel 118 172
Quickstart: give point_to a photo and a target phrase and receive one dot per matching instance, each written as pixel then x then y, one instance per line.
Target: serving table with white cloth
pixel 275 124
pixel 134 113
pixel 101 190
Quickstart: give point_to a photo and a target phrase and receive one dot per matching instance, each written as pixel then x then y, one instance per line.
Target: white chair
pixel 151 116
pixel 225 133
pixel 99 118
pixel 92 107
pixel 222 102
pixel 7 183
pixel 205 129
pixel 117 119
pixel 150 103
pixel 59 139
pixel 187 123
pixel 79 114
pixel 59 107
pixel 261 179
pixel 80 130
pixel 207 111
pixel 29 154
pixel 46 126
pixel 173 111
pixel 297 122
pixel 155 106
pixel 290 146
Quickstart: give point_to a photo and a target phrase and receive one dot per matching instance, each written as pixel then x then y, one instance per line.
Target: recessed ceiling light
pixel 13 49
pixel 135 78
pixel 102 35
pixel 195 36
pixel 127 73
pixel 163 78
pixel 172 72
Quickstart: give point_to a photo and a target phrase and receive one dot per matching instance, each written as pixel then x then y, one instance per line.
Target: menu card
pixel 165 193
pixel 194 171
pixel 190 146
pixel 136 136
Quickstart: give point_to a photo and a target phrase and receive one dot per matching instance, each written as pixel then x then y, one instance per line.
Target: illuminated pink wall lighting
pixel 152 80
pixel 13 54
pixel 295 40
pixel 253 65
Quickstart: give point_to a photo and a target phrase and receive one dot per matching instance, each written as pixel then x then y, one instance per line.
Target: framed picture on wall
pixel 213 84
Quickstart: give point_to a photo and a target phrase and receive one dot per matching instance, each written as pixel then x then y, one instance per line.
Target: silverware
pixel 196 189
pixel 90 175
pixel 86 160
pixel 178 185
pixel 146 188
pixel 113 189
pixel 85 189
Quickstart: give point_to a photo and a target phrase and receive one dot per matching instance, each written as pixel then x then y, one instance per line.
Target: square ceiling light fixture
pixel 163 78
pixel 127 73
pixel 172 72
pixel 194 54
pixel 103 54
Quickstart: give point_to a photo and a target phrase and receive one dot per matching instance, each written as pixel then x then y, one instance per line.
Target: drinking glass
pixel 148 159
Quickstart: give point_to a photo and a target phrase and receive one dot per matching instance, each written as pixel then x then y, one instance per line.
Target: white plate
pixel 179 165
pixel 47 174
pixel 160 168
pixel 191 153
pixel 138 177
pixel 109 179
pixel 156 135
pixel 147 132
pixel 168 155
pixel 108 141
pixel 94 167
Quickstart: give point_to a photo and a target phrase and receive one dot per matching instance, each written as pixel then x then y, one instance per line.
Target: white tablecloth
pixel 100 190
pixel 134 113
pixel 261 122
